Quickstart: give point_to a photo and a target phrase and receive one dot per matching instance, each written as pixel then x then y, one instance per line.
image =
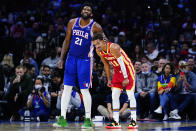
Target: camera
pixel 42 89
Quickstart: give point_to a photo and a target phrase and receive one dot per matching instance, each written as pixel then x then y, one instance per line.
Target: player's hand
pixel 109 84
pixel 60 64
pixel 125 82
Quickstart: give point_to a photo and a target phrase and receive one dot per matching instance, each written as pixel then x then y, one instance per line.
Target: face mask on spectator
pixel 173 51
pixel 38 86
pixel 185 71
pixel 145 73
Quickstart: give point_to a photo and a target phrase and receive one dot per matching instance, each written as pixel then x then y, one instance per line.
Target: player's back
pixel 108 56
pixel 81 45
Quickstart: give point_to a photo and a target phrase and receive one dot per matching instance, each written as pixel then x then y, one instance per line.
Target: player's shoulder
pixel 72 20
pixel 97 27
pixel 115 46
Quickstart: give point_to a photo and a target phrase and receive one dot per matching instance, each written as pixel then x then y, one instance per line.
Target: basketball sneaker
pixel 88 123
pixel 61 122
pixel 132 125
pixel 113 125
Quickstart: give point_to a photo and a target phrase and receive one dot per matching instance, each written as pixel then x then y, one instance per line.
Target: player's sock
pixel 133 113
pixel 65 99
pixel 116 116
pixel 116 103
pixel 87 102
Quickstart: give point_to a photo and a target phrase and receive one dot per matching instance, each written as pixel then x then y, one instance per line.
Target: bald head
pixel 162 62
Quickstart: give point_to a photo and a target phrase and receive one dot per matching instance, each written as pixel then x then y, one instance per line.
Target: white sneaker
pixel 174 115
pixel 165 117
pixel 173 112
pixel 158 110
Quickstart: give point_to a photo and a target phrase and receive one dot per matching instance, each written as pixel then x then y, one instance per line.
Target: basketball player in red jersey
pixel 124 77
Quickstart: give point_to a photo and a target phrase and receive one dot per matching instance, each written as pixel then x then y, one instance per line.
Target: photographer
pixel 39 101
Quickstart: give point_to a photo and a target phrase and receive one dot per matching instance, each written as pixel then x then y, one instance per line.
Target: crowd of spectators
pixel 158 36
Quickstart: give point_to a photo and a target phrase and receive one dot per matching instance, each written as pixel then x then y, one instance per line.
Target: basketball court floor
pixel 99 126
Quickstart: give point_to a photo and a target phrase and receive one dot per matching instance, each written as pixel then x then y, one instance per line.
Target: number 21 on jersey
pixel 78 41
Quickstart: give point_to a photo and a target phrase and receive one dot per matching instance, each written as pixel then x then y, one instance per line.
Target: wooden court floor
pixel 99 126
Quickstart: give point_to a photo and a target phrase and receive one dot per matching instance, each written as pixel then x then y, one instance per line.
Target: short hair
pixel 56 74
pixel 41 79
pixel 46 66
pixel 87 4
pixel 20 67
pixel 97 36
pixel 138 61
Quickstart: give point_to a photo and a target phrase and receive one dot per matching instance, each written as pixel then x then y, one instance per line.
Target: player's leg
pixel 116 107
pixel 69 82
pixel 84 68
pixel 131 96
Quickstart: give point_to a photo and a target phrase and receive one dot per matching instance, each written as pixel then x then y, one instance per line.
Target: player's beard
pixel 85 17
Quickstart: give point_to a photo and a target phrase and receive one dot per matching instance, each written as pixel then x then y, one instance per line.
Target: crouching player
pixel 124 77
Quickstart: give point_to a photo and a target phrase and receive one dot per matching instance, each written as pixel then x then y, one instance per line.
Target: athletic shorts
pixel 78 71
pixel 118 78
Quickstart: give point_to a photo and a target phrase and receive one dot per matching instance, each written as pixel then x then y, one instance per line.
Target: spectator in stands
pixel 192 51
pixel 20 87
pixel 155 65
pixel 8 60
pixel 18 30
pixel 46 76
pixel 166 83
pixel 28 59
pixel 162 62
pixel 191 65
pixel 54 90
pixel 152 53
pixel 32 32
pixel 184 50
pixel 124 111
pixel 31 71
pixel 137 53
pixel 52 60
pixel 185 83
pixel 137 66
pixel 124 42
pixel 146 84
pixel 39 101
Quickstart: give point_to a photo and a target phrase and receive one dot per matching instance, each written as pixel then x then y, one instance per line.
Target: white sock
pixel 133 114
pixel 116 103
pixel 132 100
pixel 65 98
pixel 116 116
pixel 87 102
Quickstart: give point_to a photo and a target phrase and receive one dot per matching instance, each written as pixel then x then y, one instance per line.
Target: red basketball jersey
pixel 117 69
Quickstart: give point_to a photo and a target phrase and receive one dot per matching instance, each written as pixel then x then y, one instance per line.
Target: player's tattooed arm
pixel 66 42
pixel 97 28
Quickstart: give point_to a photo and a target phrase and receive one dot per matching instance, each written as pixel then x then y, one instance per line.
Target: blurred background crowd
pixel 159 36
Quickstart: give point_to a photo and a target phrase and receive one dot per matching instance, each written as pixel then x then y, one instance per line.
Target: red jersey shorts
pixel 118 78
